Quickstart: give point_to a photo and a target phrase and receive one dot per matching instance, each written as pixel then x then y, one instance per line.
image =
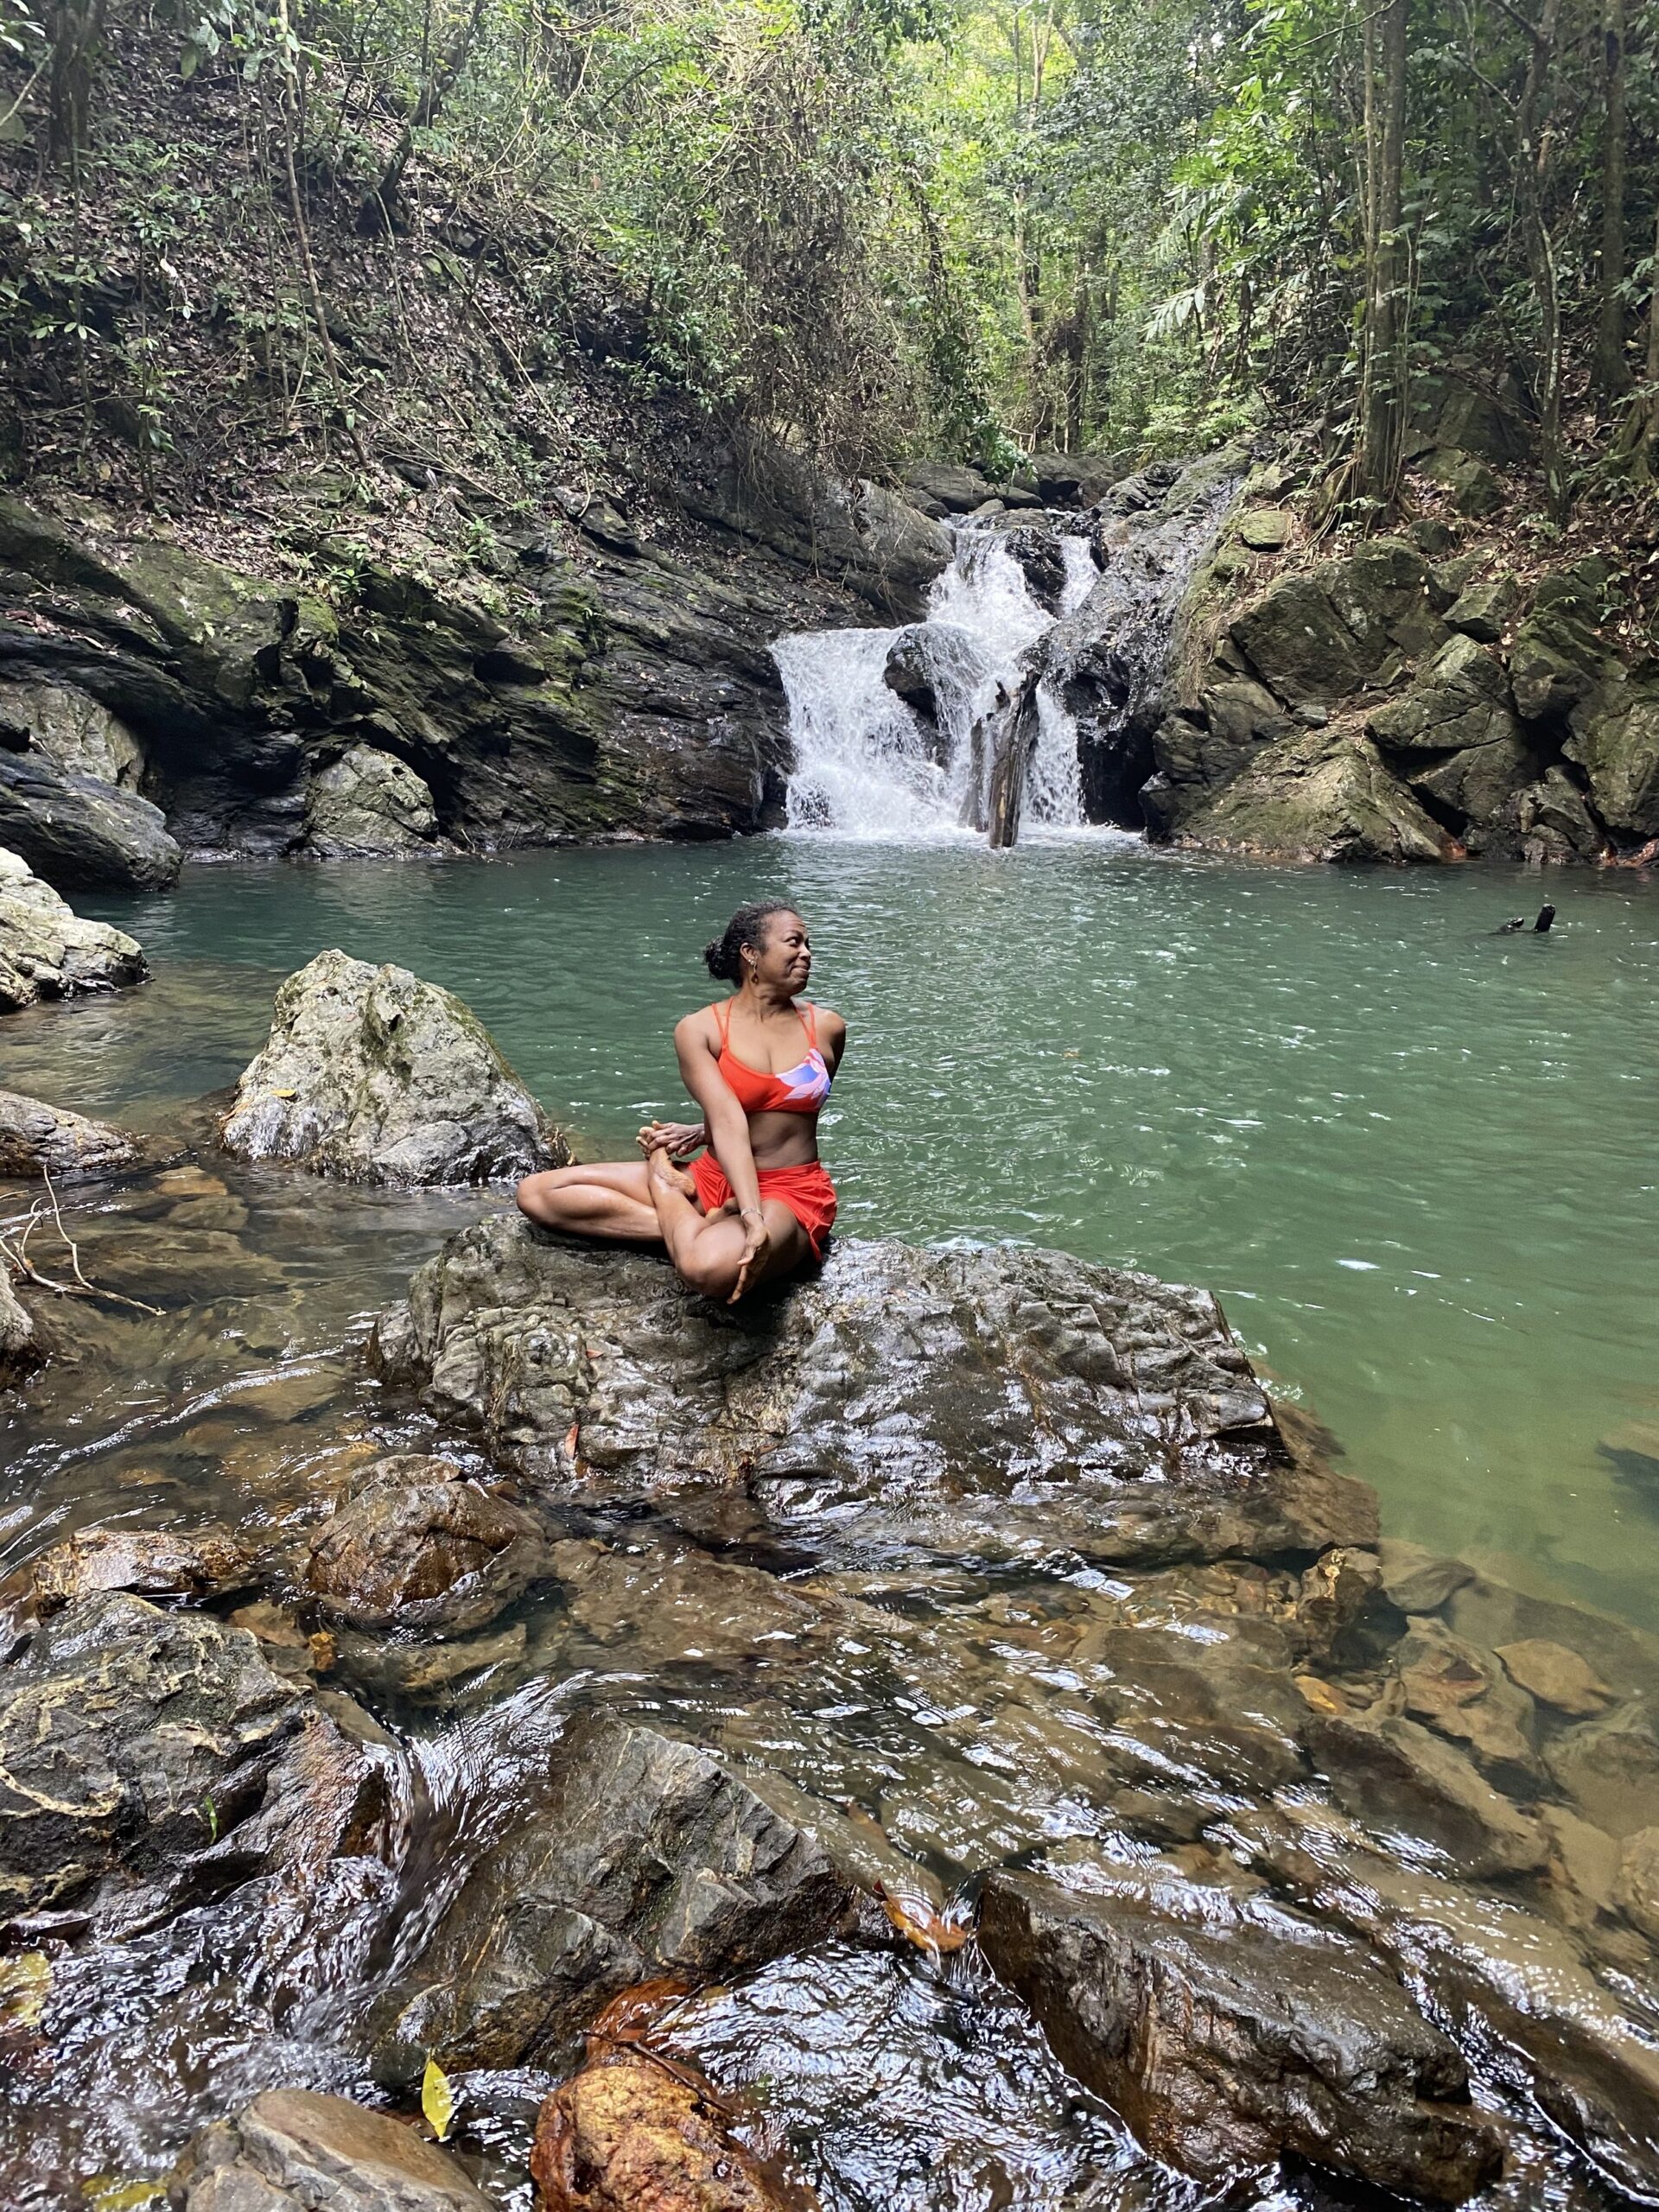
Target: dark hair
pixel 746 930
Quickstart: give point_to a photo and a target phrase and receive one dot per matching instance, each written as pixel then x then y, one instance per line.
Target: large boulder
pixel 34 1137
pixel 1226 2047
pixel 80 833
pixel 373 1075
pixel 73 729
pixel 1324 795
pixel 368 805
pixel 638 1857
pixel 47 951
pixel 1460 697
pixel 996 1400
pixel 420 1546
pixel 293 2150
pixel 1297 644
pixel 1616 742
pixel 1558 656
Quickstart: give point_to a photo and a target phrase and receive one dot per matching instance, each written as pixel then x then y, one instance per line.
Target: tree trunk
pixel 1016 741
pixel 1382 412
pixel 1532 155
pixel 1637 445
pixel 77 29
pixel 1612 371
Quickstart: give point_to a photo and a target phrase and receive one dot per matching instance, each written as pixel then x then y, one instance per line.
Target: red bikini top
pixel 799 1090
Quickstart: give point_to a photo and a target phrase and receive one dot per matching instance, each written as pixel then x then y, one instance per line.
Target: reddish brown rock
pixel 633 2132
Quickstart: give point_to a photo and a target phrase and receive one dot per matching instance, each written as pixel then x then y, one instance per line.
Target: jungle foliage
pixel 969 227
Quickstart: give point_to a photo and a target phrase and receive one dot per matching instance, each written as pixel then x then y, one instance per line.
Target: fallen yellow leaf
pixel 284 1094
pixel 437 2100
pixel 106 2194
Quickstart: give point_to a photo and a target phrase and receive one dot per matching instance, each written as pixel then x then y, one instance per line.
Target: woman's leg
pixel 609 1197
pixel 707 1249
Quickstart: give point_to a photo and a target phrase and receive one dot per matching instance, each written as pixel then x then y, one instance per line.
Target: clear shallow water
pixel 1419 1164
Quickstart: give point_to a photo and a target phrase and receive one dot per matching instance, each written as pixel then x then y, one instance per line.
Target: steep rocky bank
pixel 573 688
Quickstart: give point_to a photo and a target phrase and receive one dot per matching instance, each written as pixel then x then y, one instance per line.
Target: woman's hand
pixel 679 1139
pixel 757 1243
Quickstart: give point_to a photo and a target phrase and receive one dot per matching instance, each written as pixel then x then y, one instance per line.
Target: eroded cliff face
pixel 581 686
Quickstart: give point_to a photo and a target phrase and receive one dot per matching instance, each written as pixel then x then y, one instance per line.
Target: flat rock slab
pixel 292 2151
pixel 640 1857
pixel 1225 2049
pixel 373 1075
pixel 968 1399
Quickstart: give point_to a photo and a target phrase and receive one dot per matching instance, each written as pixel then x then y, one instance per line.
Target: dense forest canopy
pixel 874 228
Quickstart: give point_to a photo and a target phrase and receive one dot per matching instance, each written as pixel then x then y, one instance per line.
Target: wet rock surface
pixel 36 1136
pixel 638 1857
pixel 22 1347
pixel 632 2134
pixel 292 2151
pixel 372 1075
pixel 47 951
pixel 419 1544
pixel 963 1399
pixel 118 1727
pixel 1226 2045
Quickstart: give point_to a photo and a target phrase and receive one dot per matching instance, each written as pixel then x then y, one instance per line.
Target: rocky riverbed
pixel 938 1735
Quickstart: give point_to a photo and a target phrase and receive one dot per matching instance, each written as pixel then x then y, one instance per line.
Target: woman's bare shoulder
pixel 829 1022
pixel 696 1028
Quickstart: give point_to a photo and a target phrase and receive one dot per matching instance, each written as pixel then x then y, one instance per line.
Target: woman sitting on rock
pixel 758 1202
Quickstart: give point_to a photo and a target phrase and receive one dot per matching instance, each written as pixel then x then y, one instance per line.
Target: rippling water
pixel 1419 1163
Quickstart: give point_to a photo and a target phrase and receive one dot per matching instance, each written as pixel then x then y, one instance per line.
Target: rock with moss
pixel 1558 657
pixel 1615 741
pixel 372 1075
pixel 1327 795
pixel 1460 697
pixel 368 805
pixel 47 951
pixel 1474 488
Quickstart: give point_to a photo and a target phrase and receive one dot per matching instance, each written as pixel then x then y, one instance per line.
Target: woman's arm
pixel 832 1038
pixel 697 1042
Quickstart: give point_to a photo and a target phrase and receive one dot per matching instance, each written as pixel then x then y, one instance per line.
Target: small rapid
pixel 874 761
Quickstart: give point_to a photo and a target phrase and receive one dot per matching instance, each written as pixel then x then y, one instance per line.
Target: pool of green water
pixel 1419 1163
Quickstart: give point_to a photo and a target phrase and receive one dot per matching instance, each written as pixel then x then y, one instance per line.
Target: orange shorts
pixel 807 1191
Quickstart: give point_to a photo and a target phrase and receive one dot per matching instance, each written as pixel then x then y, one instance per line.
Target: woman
pixel 757 1204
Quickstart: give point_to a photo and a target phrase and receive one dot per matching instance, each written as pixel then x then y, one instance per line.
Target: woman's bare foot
pixel 660 1168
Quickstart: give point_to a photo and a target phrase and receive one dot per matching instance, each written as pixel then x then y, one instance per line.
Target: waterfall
pixel 868 764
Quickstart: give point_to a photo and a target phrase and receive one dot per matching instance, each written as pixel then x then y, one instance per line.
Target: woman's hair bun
pixel 746 930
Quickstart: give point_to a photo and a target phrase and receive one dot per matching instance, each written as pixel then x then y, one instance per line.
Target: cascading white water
pixel 866 765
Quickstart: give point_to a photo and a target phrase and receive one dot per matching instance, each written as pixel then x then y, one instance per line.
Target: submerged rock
pixel 629 2135
pixel 373 1075
pixel 47 951
pixel 638 1857
pixel 368 803
pixel 420 1546
pixel 33 1135
pixel 81 834
pixel 1226 2047
pixel 150 1562
pixel 1396 1777
pixel 1000 1399
pixel 292 2151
